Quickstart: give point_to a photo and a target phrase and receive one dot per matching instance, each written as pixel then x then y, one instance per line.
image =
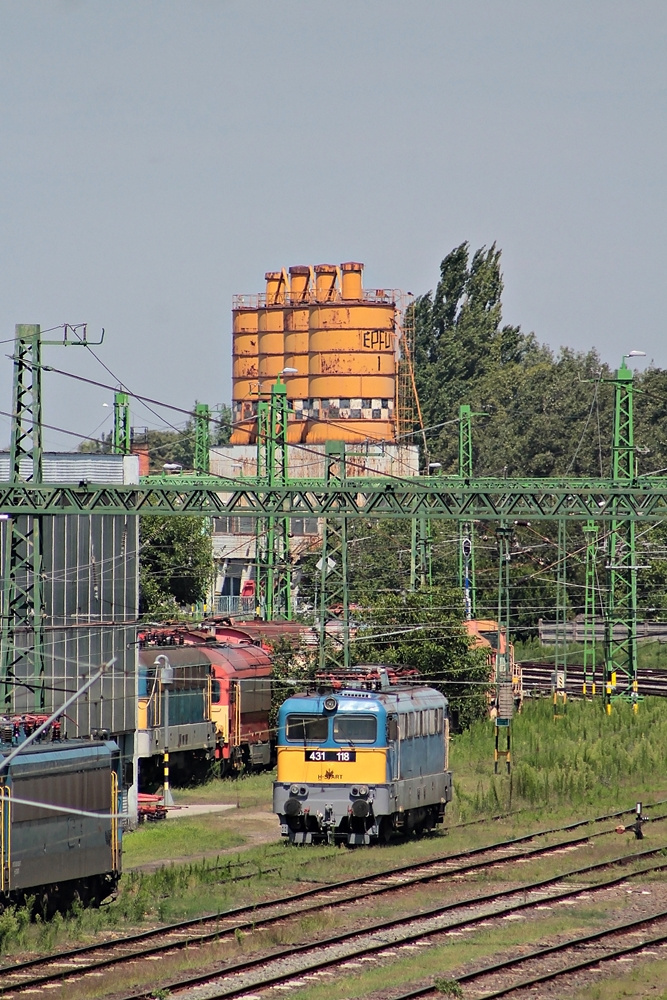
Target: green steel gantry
pixel 272 498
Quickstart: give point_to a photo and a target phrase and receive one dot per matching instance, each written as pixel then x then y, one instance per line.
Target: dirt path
pixel 256 826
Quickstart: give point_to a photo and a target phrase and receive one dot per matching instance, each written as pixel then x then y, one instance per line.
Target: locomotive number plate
pixel 341 756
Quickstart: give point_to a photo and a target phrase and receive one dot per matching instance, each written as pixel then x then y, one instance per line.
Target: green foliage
pixel 424 630
pixel 176 563
pixel 294 665
pixel 171 446
pixel 448 987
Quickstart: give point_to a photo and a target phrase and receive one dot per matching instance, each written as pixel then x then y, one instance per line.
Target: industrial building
pixel 343 353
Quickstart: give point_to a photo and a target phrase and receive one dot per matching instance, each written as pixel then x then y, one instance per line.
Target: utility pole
pixel 620 662
pixel 333 566
pixel 504 693
pixel 122 432
pixel 591 536
pixel 466 579
pixel 272 559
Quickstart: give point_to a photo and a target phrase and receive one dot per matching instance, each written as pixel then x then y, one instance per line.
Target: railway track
pixel 538 680
pixel 41 972
pixel 297 965
pixel 600 941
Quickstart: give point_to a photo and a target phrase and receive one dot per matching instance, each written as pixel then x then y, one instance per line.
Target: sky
pixel 158 157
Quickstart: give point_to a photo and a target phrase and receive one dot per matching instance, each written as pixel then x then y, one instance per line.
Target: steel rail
pixel 322 889
pixel 256 921
pixel 436 498
pixel 273 979
pixel 584 939
pixel 326 887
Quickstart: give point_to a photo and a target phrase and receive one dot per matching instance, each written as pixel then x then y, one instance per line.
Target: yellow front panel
pixel 142 713
pixel 370 768
pixel 220 716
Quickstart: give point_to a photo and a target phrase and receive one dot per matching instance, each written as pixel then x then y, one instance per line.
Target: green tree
pixel 175 563
pixel 424 630
pixel 171 446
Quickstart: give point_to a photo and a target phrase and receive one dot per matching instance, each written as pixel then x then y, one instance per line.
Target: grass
pixel 251 791
pixel 181 838
pixel 582 761
pixel 583 764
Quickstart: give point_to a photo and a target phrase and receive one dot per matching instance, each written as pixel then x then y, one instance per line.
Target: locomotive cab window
pixel 307 728
pixel 355 728
pixel 215 691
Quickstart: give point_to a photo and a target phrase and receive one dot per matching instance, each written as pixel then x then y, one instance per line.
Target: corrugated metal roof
pixel 72 467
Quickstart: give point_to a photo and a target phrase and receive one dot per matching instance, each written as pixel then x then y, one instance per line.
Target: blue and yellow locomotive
pixel 356 765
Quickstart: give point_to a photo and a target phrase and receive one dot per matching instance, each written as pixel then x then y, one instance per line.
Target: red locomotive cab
pixel 240 704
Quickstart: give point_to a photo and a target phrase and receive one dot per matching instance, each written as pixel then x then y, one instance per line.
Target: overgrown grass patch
pixel 178 838
pixel 248 791
pixel 585 759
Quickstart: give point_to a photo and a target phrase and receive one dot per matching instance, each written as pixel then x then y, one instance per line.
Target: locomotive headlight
pixel 363 789
pixel 330 704
pixel 294 790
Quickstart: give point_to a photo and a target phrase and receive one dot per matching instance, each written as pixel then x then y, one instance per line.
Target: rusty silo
pixel 297 317
pixel 271 329
pixel 245 373
pixel 352 364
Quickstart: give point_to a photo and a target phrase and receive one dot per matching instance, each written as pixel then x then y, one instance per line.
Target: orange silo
pixel 245 358
pixel 352 362
pixel 297 317
pixel 271 323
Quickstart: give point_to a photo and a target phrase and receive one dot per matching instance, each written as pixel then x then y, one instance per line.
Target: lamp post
pixel 166 680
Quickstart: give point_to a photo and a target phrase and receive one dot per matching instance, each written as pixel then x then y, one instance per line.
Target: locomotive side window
pixel 355 728
pixel 307 728
pixel 215 691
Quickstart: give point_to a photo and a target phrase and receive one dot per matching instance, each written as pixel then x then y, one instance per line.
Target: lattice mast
pixel 504 692
pixel 122 431
pixel 21 653
pixel 334 649
pixel 591 536
pixel 560 665
pixel 202 437
pixel 620 663
pixel 466 580
pixel 22 633
pixel 273 572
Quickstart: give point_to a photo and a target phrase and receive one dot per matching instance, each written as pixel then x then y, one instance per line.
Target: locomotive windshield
pixel 355 728
pixel 307 728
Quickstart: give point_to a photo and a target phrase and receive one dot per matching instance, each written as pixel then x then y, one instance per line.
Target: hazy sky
pixel 156 157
